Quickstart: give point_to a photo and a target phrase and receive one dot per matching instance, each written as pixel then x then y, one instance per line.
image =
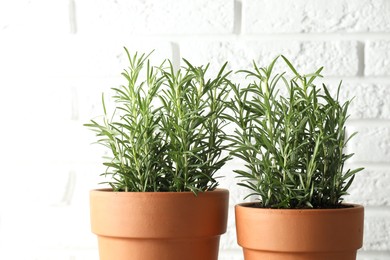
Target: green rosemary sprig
pixel 166 133
pixel 292 145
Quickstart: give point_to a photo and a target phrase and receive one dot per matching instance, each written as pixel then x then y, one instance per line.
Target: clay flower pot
pixel 292 234
pixel 158 225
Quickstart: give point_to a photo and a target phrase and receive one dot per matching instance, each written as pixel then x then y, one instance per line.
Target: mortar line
pixel 370 165
pixel 176 55
pixel 72 17
pixel 237 17
pixel 74 106
pixel 266 37
pixel 368 122
pixel 361 60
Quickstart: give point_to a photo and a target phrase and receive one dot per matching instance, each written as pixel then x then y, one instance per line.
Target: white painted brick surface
pixel 374 182
pixel 377 224
pixel 155 16
pixel 70 56
pixel 369 255
pixel 321 16
pixel 372 144
pixel 58 57
pixel 370 101
pixel 34 16
pixel 337 57
pixel 377 58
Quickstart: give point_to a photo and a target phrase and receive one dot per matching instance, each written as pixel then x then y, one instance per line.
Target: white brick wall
pixel 339 58
pixel 320 16
pixel 57 57
pixel 154 17
pixel 377 57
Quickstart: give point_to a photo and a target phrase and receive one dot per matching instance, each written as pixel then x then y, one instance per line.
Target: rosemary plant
pixel 292 144
pixel 166 133
pixel 191 120
pixel 131 133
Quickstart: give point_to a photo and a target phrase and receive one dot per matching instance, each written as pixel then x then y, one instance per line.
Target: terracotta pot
pixel 158 225
pixel 291 234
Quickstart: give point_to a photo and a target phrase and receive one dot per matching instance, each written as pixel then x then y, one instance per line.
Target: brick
pixel 376 255
pixel 155 16
pixel 43 118
pixel 38 182
pixel 377 229
pixel 89 96
pixel 231 254
pixel 73 56
pixel 53 142
pixel 44 226
pixel 337 57
pixel 39 98
pixel 377 58
pixel 323 16
pixel 47 217
pixel 371 187
pixel 369 100
pixel 36 16
pixel 371 144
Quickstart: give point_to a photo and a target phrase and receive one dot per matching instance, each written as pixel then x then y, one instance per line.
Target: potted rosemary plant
pixel 291 135
pixel 166 142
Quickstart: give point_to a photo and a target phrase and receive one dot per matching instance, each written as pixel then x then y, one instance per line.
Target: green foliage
pixel 191 121
pixel 166 133
pixel 292 144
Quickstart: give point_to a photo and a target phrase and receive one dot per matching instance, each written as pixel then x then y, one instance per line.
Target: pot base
pixel 161 249
pixel 266 255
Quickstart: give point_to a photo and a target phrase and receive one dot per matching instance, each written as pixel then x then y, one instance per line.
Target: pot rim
pixel 122 214
pixel 160 193
pixel 351 207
